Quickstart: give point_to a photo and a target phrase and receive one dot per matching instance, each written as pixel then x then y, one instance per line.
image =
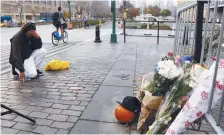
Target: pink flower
pixel 214 58
pixel 204 95
pixel 219 86
pixel 187 123
pixel 170 54
pixel 199 114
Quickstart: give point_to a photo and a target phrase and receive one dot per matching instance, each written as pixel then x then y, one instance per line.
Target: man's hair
pixel 28 27
pixel 59 8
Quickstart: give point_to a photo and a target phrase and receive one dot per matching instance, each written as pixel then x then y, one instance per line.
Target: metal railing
pixel 156 23
pixel 195 36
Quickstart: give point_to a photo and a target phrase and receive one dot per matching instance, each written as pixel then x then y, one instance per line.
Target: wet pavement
pixel 82 100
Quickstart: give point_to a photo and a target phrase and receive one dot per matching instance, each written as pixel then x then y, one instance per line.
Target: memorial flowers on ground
pixel 167 90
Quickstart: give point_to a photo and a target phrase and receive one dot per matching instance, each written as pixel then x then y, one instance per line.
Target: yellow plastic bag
pixel 57 65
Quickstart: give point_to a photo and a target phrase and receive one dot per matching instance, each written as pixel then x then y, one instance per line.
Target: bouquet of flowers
pixel 155 86
pixel 165 75
pixel 175 99
pixel 197 105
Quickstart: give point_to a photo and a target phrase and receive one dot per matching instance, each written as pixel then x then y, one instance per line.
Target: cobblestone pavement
pixel 82 99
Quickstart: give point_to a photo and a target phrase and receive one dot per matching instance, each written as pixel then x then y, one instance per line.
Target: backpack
pixel 55 16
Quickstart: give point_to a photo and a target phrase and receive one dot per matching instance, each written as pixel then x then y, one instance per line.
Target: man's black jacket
pixel 21 49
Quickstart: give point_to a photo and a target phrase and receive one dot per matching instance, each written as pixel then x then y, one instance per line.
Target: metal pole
pixel 189 38
pixel 212 33
pixel 113 38
pixel 176 33
pixel 198 32
pixel 181 41
pixel 180 32
pixel 158 32
pixel 193 41
pixel 186 32
pixel 124 32
pixel 205 32
pixel 216 65
pixel 70 13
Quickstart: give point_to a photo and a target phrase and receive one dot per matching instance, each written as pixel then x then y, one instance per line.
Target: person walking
pixel 86 22
pixel 27 54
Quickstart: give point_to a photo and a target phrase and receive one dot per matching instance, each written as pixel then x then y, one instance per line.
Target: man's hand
pixel 22 76
pixel 34 34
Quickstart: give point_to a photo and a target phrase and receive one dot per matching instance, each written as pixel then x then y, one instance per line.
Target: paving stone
pixel 52 90
pixel 39 115
pixel 34 108
pixel 54 93
pixel 101 107
pixel 50 110
pixel 24 132
pixel 71 102
pixel 72 119
pixel 62 131
pixel 98 128
pixel 68 94
pixel 60 106
pixel 24 112
pixel 78 108
pixel 6 123
pixel 42 104
pixel 65 90
pixel 83 99
pixel 85 95
pixel 56 101
pixel 68 98
pixel 62 125
pixel 76 88
pixel 45 130
pixel 84 103
pixel 71 112
pixel 21 119
pixel 57 117
pixel 53 97
pixel 44 122
pixel 8 130
pixel 8 117
pixel 91 92
pixel 80 91
pixel 23 126
pixel 72 85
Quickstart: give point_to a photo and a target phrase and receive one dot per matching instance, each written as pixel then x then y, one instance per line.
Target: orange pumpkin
pixel 123 115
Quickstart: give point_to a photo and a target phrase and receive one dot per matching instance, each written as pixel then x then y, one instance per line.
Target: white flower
pixel 168 69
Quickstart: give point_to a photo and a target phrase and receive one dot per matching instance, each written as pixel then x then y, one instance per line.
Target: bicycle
pixel 55 37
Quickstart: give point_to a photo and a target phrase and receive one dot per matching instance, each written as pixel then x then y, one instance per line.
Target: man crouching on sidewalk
pixel 27 54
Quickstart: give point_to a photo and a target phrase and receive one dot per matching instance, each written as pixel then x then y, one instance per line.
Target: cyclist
pixel 59 21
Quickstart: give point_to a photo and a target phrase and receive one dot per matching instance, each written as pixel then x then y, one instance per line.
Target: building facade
pixel 30 10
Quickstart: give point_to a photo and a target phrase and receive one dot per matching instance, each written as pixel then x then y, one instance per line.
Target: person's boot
pixel 14 72
pixel 39 73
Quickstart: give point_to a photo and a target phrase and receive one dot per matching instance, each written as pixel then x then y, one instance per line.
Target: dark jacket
pixel 21 49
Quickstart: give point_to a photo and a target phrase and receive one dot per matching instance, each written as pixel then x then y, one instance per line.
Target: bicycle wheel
pixel 54 39
pixel 65 39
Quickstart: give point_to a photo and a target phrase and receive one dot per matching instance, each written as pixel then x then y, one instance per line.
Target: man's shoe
pixel 15 73
pixel 39 73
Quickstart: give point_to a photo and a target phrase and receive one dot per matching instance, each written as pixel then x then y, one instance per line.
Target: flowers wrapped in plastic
pixel 197 105
pixel 155 86
pixel 165 75
pixel 175 99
